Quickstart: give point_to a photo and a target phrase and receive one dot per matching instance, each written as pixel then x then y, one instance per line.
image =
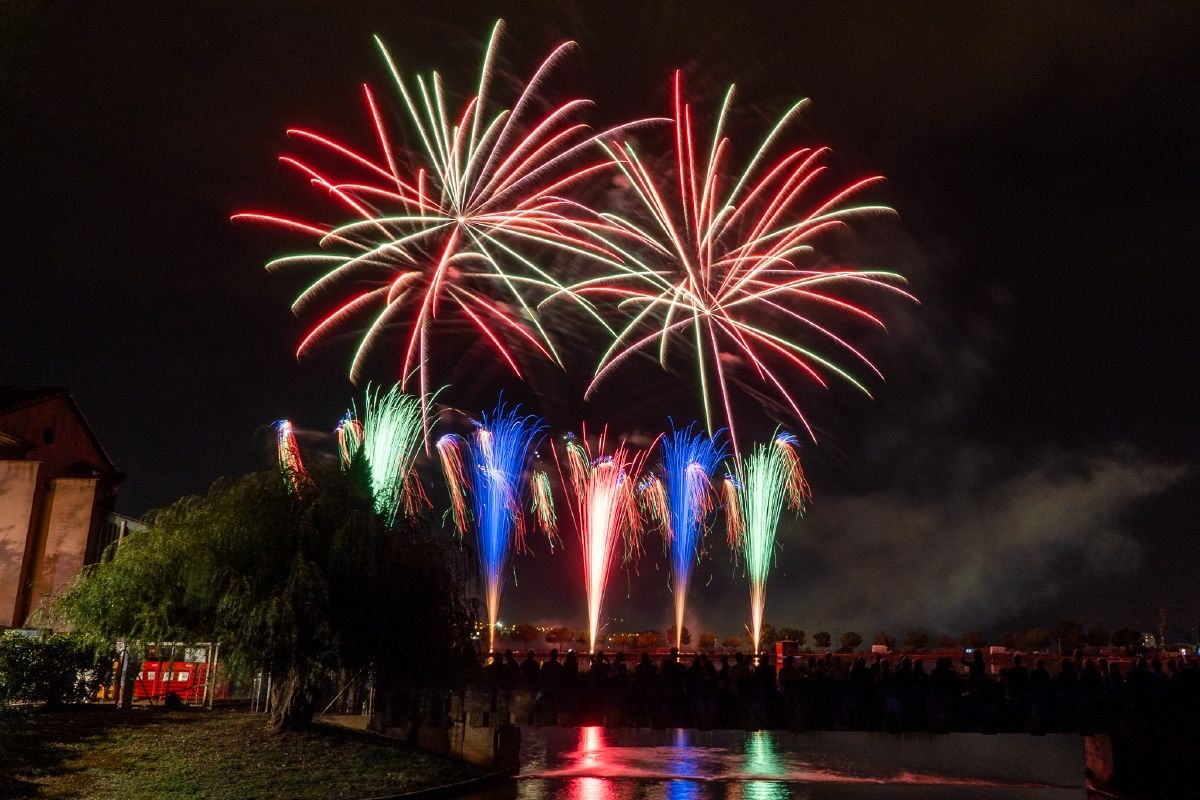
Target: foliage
pixel 850 641
pixel 916 640
pixel 1096 637
pixel 767 637
pixel 708 641
pixel 731 642
pixel 974 639
pixel 1038 639
pixel 1126 637
pixel 1011 639
pixel 559 635
pixel 623 640
pixel 298 584
pixel 686 638
pixel 792 635
pixel 649 640
pixel 1069 634
pixel 49 668
pixel 886 639
pixel 523 632
pixel 946 641
pixel 822 640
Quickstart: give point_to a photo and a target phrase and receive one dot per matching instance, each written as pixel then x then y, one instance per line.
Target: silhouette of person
pixel 530 671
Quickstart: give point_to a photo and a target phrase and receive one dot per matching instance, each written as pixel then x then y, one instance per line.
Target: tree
pixel 523 633
pixel 767 637
pixel 1127 638
pixel 1038 639
pixel 708 641
pixel 297 584
pixel 850 641
pixel 916 640
pixel 974 639
pixel 559 635
pixel 1011 639
pixel 1069 634
pixel 822 640
pixel 623 640
pixel 1096 637
pixel 731 642
pixel 649 640
pixel 886 639
pixel 685 638
pixel 792 635
pixel 946 641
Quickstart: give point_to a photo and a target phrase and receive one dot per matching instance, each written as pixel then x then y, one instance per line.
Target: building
pixel 57 493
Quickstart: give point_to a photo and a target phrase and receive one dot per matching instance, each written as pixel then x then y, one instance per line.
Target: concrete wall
pixel 18 488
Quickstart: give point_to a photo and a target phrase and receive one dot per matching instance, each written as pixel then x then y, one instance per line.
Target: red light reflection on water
pixel 591 757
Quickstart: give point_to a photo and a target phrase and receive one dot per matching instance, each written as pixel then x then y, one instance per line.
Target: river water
pixel 629 764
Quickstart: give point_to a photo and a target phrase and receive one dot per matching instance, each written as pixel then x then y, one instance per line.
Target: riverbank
pixel 100 753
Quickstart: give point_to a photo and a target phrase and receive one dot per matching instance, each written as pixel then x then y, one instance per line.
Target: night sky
pixel 1033 453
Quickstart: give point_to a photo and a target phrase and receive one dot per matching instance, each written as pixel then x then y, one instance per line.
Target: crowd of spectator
pixel 827 692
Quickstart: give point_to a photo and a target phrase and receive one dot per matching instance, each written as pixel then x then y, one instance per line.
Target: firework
pixel 760 493
pixel 689 459
pixel 291 465
pixel 441 234
pixel 652 496
pixel 389 439
pixel 727 267
pixel 449 449
pixel 602 497
pixel 542 506
pixel 349 438
pixel 493 475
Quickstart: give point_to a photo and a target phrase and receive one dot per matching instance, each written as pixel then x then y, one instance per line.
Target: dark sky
pixel 1033 454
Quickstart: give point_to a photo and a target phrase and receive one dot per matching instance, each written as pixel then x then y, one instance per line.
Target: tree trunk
pixel 293 701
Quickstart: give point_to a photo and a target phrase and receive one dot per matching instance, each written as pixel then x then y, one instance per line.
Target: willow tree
pixel 294 583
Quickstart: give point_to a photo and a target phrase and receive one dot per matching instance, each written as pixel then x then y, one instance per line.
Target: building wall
pixel 71 442
pixel 18 491
pixel 51 496
pixel 62 539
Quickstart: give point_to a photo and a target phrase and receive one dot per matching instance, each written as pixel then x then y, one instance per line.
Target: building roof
pixel 14 398
pixel 17 398
pixel 13 446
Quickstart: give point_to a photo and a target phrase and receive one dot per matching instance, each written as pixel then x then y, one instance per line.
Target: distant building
pixel 57 493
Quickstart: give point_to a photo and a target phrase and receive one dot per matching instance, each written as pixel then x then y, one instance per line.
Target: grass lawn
pixel 147 754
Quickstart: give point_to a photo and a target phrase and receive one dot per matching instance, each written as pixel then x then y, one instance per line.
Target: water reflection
pixel 684 761
pixel 590 758
pixel 597 763
pixel 762 760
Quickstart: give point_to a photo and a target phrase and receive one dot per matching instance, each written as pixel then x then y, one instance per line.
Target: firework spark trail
pixel 291 465
pixel 493 474
pixel 602 498
pixel 762 490
pixel 542 506
pixel 349 438
pixel 449 449
pixel 652 495
pixel 444 231
pixel 389 438
pixel 718 268
pixel 689 459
